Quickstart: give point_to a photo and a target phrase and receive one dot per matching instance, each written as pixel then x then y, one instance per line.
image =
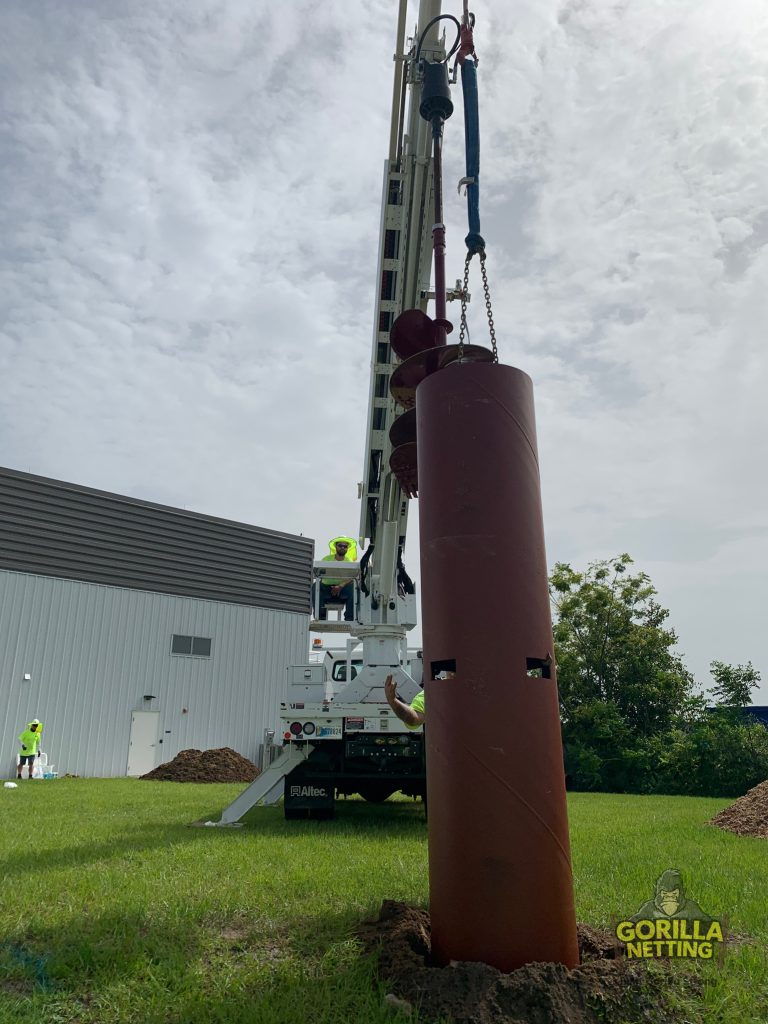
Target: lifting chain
pixel 464 293
pixel 488 309
pixel 464 329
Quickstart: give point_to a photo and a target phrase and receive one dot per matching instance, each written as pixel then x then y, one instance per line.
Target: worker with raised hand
pixel 342 549
pixel 414 714
pixel 30 746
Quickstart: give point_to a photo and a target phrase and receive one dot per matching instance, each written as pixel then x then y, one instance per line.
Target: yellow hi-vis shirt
pixel 350 556
pixel 30 740
pixel 417 704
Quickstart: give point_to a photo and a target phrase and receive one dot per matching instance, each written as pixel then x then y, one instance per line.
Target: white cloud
pixel 190 200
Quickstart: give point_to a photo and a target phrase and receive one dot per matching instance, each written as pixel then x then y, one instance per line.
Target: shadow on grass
pixel 140 838
pixel 352 817
pixel 93 953
pixel 128 967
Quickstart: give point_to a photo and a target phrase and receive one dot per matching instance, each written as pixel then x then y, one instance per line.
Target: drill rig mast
pixel 339 734
pixel 386 607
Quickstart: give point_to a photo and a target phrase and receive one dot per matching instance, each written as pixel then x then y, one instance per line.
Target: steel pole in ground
pixel 501 889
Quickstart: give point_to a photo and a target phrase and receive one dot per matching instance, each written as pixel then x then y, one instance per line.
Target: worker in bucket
pixel 343 549
pixel 30 746
pixel 413 715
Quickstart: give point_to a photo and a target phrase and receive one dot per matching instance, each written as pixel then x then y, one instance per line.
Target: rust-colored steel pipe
pixel 501 888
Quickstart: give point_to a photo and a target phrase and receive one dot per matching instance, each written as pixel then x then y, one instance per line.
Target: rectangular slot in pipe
pixel 445 669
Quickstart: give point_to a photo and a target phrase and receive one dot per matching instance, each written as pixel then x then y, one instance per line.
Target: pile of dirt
pixel 223 765
pixel 747 816
pixel 606 987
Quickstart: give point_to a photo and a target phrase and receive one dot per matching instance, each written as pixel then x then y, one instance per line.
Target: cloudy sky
pixel 189 211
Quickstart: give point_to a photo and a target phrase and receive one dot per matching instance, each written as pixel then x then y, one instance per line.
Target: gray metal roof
pixel 52 528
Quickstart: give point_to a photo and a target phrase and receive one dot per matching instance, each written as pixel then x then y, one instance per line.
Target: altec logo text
pixel 308 791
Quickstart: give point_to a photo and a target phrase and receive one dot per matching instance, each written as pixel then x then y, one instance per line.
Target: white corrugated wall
pixel 93 652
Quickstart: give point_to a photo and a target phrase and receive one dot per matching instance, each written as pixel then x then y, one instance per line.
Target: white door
pixel 143 745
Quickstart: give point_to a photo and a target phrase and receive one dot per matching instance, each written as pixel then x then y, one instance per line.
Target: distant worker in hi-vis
pixel 343 549
pixel 30 746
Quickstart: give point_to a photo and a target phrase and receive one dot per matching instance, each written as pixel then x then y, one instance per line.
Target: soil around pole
pixel 221 765
pixel 747 816
pixel 605 988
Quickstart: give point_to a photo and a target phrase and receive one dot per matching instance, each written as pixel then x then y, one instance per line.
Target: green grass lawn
pixel 113 909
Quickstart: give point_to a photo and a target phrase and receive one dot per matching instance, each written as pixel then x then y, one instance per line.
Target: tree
pixel 631 719
pixel 620 681
pixel 734 683
pixel 716 755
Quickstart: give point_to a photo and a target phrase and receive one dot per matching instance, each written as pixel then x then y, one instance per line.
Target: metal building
pixel 134 630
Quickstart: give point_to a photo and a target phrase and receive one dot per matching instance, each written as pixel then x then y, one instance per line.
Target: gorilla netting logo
pixel 671 925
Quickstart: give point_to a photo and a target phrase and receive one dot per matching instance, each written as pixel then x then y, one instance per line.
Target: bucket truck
pixel 339 735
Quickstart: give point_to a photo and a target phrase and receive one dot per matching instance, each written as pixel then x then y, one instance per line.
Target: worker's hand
pixel 23 747
pixel 335 591
pixel 390 691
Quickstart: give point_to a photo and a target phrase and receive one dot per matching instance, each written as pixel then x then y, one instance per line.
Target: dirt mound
pixel 747 816
pixel 605 986
pixel 223 765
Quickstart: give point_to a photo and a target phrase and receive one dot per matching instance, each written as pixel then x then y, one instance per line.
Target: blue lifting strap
pixel 475 241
